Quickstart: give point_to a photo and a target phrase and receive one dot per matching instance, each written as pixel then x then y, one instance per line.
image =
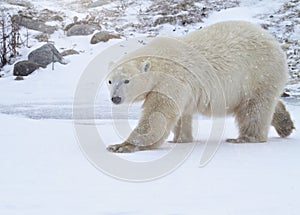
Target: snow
pixel 237 13
pixel 296 35
pixel 44 169
pixel 262 6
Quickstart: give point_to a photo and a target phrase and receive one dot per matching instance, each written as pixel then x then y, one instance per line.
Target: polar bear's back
pixel 244 56
pixel 238 45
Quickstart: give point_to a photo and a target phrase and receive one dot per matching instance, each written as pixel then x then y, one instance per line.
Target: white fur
pixel 228 68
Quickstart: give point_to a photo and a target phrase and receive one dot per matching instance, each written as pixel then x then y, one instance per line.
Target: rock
pixel 45 55
pixel 285 46
pixel 285 94
pixel 69 52
pixel 19 78
pixel 103 36
pixel 265 26
pixel 165 19
pixel 24 68
pixel 42 37
pixel 34 24
pixel 20 3
pixel 99 3
pixel 82 29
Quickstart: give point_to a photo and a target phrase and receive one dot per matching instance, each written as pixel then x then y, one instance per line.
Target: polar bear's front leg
pixel 125 147
pixel 183 130
pixel 159 117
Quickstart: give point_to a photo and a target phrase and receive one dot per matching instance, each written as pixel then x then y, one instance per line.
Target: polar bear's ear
pixel 145 66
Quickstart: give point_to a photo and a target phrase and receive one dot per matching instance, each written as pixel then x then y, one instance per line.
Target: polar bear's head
pixel 130 81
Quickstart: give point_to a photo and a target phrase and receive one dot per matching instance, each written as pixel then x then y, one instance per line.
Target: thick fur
pixel 282 120
pixel 228 68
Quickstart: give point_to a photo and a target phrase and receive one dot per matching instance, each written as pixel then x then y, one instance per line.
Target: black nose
pixel 116 100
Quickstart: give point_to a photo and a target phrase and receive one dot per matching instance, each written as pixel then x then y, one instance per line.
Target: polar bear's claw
pixel 122 148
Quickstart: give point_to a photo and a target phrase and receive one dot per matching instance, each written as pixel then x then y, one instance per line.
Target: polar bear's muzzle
pixel 116 100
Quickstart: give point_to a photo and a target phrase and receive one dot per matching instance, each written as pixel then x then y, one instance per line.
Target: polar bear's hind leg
pixel 282 120
pixel 254 118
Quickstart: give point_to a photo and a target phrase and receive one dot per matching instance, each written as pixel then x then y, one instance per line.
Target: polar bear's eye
pixel 126 81
pixel 109 82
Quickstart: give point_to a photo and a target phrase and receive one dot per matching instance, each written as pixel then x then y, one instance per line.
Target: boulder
pixel 82 29
pixel 45 55
pixel 19 78
pixel 24 68
pixel 34 24
pixel 104 36
pixel 69 52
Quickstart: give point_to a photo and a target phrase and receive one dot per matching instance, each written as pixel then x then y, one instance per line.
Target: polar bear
pixel 232 67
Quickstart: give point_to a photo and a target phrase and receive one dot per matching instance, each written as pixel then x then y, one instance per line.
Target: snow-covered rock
pixel 45 55
pixel 82 29
pixel 24 68
pixel 69 52
pixel 35 24
pixel 104 36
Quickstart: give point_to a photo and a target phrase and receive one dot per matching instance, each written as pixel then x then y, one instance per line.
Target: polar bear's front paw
pixel 183 139
pixel 122 148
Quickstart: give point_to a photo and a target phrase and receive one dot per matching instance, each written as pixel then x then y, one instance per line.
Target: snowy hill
pixel 45 171
pixel 46 87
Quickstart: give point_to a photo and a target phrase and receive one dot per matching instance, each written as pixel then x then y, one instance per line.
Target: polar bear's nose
pixel 116 100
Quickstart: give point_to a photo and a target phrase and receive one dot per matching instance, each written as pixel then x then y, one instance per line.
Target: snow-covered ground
pixel 45 172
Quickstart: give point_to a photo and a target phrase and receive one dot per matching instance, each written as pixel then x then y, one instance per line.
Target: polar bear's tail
pixel 282 120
